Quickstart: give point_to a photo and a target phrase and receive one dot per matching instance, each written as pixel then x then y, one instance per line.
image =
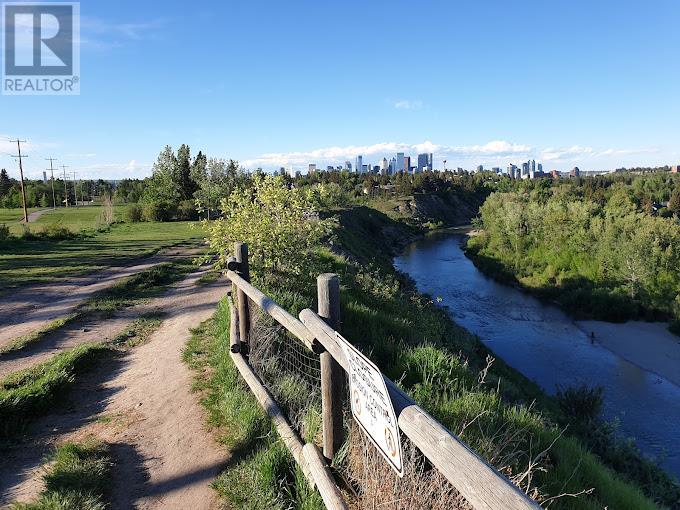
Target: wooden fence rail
pixel 479 483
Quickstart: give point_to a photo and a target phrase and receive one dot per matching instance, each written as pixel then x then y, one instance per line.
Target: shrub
pixel 187 211
pixel 581 404
pixel 56 231
pixel 134 213
pixel 4 232
pixel 159 211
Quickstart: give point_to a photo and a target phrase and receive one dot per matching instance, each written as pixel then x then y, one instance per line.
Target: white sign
pixel 371 405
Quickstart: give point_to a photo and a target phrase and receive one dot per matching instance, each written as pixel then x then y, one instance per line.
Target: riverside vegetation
pixel 605 247
pixel 296 230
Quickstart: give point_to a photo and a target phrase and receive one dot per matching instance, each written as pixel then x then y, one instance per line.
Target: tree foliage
pixel 280 224
pixel 612 261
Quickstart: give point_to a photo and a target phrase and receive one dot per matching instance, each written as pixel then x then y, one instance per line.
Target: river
pixel 547 346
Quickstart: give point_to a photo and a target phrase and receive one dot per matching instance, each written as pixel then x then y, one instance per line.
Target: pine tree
pixel 674 202
pixel 183 173
pixel 5 183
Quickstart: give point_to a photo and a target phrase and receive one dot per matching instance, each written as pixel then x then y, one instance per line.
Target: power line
pixel 21 173
pixel 54 196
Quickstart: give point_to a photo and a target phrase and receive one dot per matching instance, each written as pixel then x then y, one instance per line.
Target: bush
pixel 134 213
pixel 4 232
pixel 187 211
pixel 581 404
pixel 159 211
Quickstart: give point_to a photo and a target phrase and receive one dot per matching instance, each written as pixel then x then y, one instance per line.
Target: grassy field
pixel 30 261
pixel 12 217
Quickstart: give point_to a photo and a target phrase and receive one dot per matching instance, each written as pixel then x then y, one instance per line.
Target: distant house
pixel 675 169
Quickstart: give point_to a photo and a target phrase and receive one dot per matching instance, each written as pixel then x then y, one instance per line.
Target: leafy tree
pixel 280 225
pixel 43 200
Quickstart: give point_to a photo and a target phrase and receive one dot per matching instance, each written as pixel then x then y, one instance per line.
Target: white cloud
pixel 406 104
pixel 566 153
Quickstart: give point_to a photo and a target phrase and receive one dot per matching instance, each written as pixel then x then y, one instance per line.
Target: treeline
pixel 40 194
pixel 606 247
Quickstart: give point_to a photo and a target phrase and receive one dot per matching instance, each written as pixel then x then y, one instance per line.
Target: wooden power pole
pixel 54 196
pixel 21 172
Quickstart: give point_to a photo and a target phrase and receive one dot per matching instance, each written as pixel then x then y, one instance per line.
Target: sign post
pixel 371 405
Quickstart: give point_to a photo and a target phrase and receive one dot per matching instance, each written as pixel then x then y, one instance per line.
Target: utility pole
pixel 21 172
pixel 54 196
pixel 75 190
pixel 64 167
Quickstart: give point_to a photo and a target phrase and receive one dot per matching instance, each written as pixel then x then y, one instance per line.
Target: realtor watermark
pixel 41 48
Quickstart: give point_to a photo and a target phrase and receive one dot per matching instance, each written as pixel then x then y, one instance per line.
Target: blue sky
pixel 593 84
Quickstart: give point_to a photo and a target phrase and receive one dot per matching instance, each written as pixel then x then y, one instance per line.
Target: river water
pixel 547 346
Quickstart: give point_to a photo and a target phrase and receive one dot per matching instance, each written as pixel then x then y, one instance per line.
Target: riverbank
pixel 648 345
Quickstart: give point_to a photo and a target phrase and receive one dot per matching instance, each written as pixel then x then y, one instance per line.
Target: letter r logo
pixel 38 39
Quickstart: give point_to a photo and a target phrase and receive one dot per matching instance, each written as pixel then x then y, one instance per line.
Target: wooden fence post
pixel 328 290
pixel 241 254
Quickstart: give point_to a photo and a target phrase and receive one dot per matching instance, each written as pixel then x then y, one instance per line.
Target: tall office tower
pixel 423 162
pixel 532 169
pixel 525 170
pixel 312 168
pixel 540 168
pixel 400 162
pixel 359 164
pixel 407 164
pixel 430 162
pixel 480 168
pixel 348 165
pixel 384 166
pixel 575 172
pixel 393 166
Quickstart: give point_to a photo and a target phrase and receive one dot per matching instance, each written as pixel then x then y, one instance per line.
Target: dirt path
pixel 33 307
pixel 36 214
pixel 140 403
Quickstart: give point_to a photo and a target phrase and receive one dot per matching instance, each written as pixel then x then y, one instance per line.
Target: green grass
pixel 29 393
pixel 36 336
pixel 11 216
pixel 77 479
pixel 262 473
pixel 140 330
pixel 39 261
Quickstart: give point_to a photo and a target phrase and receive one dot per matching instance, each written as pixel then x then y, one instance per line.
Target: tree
pixel 280 225
pixel 43 200
pixel 182 173
pixel 5 183
pixel 674 202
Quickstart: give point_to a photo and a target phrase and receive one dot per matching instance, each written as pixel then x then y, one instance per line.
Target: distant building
pixel 540 168
pixel 45 177
pixel 675 169
pixel 364 169
pixel 512 171
pixel 480 168
pixel 359 164
pixel 496 170
pixel 384 166
pixel 532 169
pixel 312 168
pixel 400 162
pixel 575 172
pixel 376 169
pixel 393 166
pixel 555 174
pixel 330 168
pixel 407 164
pixel 424 162
pixel 348 165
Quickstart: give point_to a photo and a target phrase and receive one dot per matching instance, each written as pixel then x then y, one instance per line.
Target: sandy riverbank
pixel 648 345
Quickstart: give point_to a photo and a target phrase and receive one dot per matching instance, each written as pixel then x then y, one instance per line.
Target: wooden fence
pixel 477 481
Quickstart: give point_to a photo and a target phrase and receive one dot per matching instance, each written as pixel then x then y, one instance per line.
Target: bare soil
pixel 140 402
pixel 33 307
